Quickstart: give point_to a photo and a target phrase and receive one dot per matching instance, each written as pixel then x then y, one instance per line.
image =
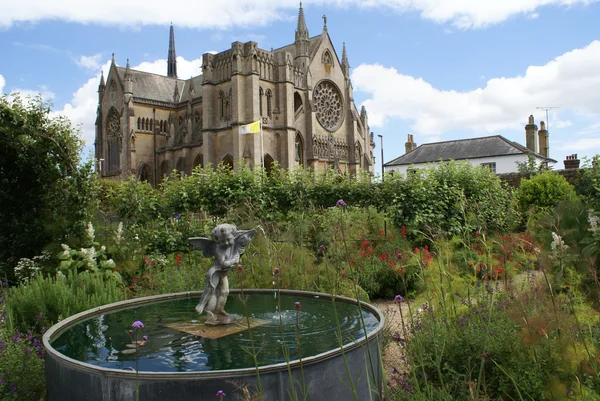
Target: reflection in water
pixel 100 340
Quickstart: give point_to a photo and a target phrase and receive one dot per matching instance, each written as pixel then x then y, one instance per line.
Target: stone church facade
pixel 148 124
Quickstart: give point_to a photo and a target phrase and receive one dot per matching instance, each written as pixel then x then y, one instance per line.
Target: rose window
pixel 328 104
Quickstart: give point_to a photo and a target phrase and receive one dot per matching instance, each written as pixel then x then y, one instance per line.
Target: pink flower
pixel 297 305
pixel 276 272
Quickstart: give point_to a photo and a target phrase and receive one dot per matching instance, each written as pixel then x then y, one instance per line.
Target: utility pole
pixel 547 108
pixel 382 171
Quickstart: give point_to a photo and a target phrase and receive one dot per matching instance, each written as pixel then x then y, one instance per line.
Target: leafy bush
pixel 542 192
pixel 450 197
pixel 47 193
pixel 56 298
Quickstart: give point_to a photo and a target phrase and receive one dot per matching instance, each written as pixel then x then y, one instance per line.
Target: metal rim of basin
pixel 56 330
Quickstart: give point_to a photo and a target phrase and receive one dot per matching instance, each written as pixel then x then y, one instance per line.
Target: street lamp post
pixel 382 171
pixel 382 179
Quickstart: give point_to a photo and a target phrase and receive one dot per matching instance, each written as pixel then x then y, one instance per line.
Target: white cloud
pixel 43 91
pixel 2 83
pixel 571 81
pixel 462 14
pixel 185 68
pixel 91 63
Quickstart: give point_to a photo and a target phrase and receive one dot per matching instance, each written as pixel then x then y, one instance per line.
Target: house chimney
pixel 530 134
pixel 410 145
pixel 571 162
pixel 543 136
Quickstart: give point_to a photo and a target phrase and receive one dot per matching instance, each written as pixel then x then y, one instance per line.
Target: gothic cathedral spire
pixel 345 63
pixel 301 30
pixel 172 60
pixel 302 58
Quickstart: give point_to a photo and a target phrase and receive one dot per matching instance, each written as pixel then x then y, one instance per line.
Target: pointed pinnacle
pixel 301 29
pixel 345 62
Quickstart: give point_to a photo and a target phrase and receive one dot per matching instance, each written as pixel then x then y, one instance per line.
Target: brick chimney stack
pixel 410 145
pixel 530 133
pixel 543 137
pixel 571 162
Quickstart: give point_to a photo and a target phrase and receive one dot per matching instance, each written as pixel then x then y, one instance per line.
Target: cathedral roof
pixel 313 44
pixel 159 87
pixel 473 148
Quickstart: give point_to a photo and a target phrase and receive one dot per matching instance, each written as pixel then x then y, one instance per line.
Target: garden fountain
pixel 191 356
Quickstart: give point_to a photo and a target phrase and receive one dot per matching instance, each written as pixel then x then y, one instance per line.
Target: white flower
pixel 110 263
pixel 65 247
pixel 90 231
pixel 593 220
pixel 66 252
pixel 558 245
pixel 103 248
pixel 119 233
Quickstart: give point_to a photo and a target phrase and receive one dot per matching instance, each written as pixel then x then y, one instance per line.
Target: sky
pixel 438 69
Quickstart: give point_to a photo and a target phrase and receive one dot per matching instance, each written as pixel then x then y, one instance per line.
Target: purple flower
pixel 239 268
pixel 341 203
pixel 130 332
pixel 221 394
pixel 322 248
pixel 137 325
pixel 398 299
pixel 39 316
pixel 145 338
pixel 276 272
pixel 297 305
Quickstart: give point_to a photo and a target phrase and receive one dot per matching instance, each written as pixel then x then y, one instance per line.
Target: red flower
pixel 177 259
pixel 404 231
pixel 383 256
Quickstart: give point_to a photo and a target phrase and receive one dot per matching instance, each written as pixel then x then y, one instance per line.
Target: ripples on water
pixel 101 339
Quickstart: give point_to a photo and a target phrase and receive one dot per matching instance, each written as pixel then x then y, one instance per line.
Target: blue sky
pixel 437 69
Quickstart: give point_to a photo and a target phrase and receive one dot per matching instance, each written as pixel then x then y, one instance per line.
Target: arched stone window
pixel 146 124
pixel 113 139
pixel 228 161
pixel 180 166
pixel 144 175
pixel 151 124
pixel 139 123
pixel 299 149
pixel 222 104
pixel 269 103
pixel 297 102
pixel 327 60
pixel 358 153
pixel 198 161
pixel 260 100
pixel 269 162
pixel 165 169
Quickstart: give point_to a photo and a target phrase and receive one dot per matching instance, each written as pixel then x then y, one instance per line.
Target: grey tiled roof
pixel 313 43
pixel 489 146
pixel 156 87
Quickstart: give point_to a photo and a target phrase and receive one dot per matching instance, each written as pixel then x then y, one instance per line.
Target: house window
pixel 490 166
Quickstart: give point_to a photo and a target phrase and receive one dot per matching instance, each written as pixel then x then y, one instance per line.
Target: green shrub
pixel 543 192
pixel 58 297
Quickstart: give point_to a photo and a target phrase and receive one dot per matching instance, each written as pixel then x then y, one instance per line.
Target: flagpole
pixel 262 153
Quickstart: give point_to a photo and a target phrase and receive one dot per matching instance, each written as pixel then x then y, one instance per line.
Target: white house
pixel 494 152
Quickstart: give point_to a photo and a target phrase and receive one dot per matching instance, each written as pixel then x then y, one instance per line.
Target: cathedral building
pixel 148 124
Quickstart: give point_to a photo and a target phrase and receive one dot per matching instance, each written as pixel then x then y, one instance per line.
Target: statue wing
pixel 207 245
pixel 242 238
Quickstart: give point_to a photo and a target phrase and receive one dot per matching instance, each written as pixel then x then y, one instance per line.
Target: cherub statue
pixel 226 246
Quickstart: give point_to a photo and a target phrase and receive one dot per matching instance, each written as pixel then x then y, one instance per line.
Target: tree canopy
pixel 44 188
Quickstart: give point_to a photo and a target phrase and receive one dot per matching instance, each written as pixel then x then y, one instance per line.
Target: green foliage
pixel 531 166
pixel 542 192
pixel 450 197
pixel 47 193
pixel 21 367
pixel 59 297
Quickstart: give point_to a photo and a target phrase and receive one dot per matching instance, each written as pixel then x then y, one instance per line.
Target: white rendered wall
pixel 504 164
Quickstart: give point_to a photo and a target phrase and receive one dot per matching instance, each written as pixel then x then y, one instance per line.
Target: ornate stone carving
pixel 329 105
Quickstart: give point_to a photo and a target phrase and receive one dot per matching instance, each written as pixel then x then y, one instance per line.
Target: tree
pixel 45 192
